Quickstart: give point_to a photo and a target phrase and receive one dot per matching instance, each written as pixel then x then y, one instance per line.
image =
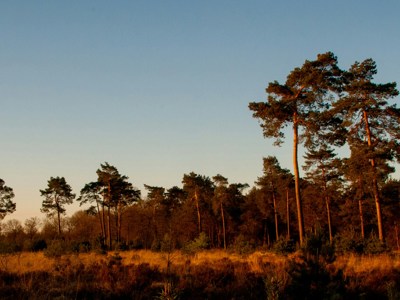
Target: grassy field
pixel 213 274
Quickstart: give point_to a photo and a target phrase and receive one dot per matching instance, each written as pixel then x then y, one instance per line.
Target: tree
pixel 91 193
pixel 220 196
pixel 199 189
pixel 323 171
pixel 273 178
pixel 300 102
pixel 31 227
pixel 117 193
pixel 369 117
pixel 7 206
pixel 57 194
pixel 155 199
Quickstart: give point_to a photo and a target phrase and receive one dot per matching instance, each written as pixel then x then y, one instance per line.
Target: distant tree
pixel 200 190
pixel 220 197
pixel 91 193
pixel 300 101
pixel 57 194
pixel 274 178
pixel 323 170
pixel 7 206
pixel 155 199
pixel 13 231
pixel 117 194
pixel 369 117
pixel 31 227
pixel 357 171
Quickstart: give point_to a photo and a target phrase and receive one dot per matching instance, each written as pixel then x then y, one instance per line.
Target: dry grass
pixel 361 264
pixel 206 274
pixel 31 262
pixel 350 264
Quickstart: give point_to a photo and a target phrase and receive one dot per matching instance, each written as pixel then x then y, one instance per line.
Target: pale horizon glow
pixel 160 90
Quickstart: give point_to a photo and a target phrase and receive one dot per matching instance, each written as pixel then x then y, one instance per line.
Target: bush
pixel 34 245
pixel 7 248
pixel 374 246
pixel 166 244
pixel 352 242
pixel 200 243
pixel 284 246
pixel 55 249
pixel 349 241
pixel 242 246
pixel 317 245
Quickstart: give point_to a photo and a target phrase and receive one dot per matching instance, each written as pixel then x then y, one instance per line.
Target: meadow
pixel 209 274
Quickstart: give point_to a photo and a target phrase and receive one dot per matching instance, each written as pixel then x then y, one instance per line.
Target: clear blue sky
pixel 161 88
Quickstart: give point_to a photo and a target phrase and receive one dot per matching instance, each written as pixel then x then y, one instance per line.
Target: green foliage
pixel 317 245
pixel 200 243
pixel 242 245
pixel 349 241
pixel 7 206
pixel 374 246
pixel 284 246
pixel 169 292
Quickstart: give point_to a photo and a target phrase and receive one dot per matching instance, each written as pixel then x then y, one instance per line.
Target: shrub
pixel 55 249
pixel 155 245
pixel 166 244
pixel 242 246
pixel 374 246
pixel 284 246
pixel 7 248
pixel 349 241
pixel 318 245
pixel 200 243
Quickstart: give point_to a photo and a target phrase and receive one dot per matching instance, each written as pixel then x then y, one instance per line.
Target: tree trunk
pixel 287 213
pixel 374 182
pixel 196 198
pixel 100 220
pixel 109 227
pixel 297 179
pixel 103 216
pixel 59 223
pixel 360 209
pixel 328 209
pixel 223 224
pixel 119 222
pixel 275 213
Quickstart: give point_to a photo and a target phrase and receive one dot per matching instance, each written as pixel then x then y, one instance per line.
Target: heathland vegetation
pixel 288 236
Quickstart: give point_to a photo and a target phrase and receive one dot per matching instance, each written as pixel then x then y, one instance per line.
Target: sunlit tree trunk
pixel 223 224
pixel 287 213
pixel 328 209
pixel 297 179
pixel 275 213
pixel 109 227
pixel 374 181
pixel 360 209
pixel 196 198
pixel 100 220
pixel 59 220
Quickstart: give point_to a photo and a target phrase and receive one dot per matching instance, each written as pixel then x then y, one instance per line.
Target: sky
pixel 161 88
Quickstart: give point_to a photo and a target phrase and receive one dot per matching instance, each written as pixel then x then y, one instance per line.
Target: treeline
pixel 349 202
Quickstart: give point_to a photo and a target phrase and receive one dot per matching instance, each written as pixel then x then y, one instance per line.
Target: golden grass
pixel 350 264
pixel 358 264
